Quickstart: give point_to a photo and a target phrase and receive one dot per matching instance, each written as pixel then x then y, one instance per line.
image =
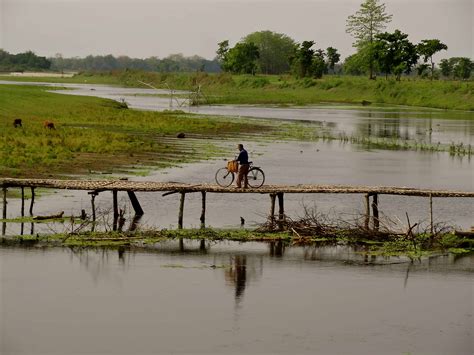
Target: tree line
pixel 266 52
pixel 28 61
pixel 23 61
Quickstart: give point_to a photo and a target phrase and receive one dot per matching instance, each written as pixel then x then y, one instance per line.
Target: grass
pixel 97 134
pixel 286 90
pixel 448 243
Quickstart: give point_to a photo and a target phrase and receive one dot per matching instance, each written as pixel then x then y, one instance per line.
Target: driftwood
pixel 53 216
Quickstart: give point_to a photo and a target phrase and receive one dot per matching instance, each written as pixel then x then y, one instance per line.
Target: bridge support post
pixel 281 209
pixel 32 200
pixel 375 211
pixel 181 210
pixel 135 204
pixel 4 213
pixel 93 195
pixel 115 203
pixel 272 208
pixel 431 215
pixel 203 210
pixel 367 211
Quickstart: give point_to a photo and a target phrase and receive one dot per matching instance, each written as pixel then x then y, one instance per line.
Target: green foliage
pixel 171 63
pixel 240 59
pixel 308 62
pixel 429 47
pixel 27 61
pixel 365 24
pixel 394 53
pixel 275 50
pixel 332 58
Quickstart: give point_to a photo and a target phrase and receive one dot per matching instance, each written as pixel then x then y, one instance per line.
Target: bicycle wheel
pixel 224 177
pixel 255 177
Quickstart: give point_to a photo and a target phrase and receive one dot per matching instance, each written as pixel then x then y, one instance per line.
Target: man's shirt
pixel 243 157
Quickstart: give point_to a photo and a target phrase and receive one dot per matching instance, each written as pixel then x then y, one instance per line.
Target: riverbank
pixel 286 90
pixel 94 135
pixel 412 247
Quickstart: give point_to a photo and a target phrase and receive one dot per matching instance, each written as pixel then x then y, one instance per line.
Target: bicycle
pixel 255 177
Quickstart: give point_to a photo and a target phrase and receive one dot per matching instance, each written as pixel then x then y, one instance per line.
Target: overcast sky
pixel 144 28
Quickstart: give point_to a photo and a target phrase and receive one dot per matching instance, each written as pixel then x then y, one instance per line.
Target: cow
pixel 49 124
pixel 17 122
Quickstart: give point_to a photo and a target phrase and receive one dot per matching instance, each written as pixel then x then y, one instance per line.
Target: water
pixel 299 163
pixel 215 298
pixel 232 298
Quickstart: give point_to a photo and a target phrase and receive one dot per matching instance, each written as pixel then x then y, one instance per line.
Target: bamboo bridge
pixel 94 187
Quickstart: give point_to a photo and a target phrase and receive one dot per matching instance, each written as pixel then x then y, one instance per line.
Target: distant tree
pixel 241 59
pixel 429 47
pixel 275 50
pixel 394 53
pixel 365 24
pixel 358 63
pixel 308 62
pixel 332 58
pixel 446 67
pixel 462 67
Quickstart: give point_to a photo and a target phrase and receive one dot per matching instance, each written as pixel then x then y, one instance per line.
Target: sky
pixel 145 28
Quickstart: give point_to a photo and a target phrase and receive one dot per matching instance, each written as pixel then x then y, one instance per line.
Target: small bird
pixel 242 221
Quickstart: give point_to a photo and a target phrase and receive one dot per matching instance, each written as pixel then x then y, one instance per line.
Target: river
pixel 230 298
pixel 227 297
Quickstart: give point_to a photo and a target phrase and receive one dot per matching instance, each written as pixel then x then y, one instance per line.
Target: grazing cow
pixel 17 122
pixel 49 124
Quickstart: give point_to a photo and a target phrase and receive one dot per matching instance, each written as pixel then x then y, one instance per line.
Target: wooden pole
pixel 375 211
pixel 281 210
pixel 32 201
pixel 135 204
pixel 22 201
pixel 93 195
pixel 115 204
pixel 431 215
pixel 181 210
pixel 4 214
pixel 203 210
pixel 367 211
pixel 272 208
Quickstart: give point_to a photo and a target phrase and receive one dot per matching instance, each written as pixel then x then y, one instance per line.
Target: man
pixel 243 160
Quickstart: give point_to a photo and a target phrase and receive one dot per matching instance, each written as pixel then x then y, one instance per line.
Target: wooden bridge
pixel 94 187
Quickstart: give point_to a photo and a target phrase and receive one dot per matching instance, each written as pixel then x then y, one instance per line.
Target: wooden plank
pixel 103 185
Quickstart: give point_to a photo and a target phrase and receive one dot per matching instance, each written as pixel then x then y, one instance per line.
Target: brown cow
pixel 17 122
pixel 49 124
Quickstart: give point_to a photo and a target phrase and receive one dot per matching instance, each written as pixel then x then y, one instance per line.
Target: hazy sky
pixel 144 28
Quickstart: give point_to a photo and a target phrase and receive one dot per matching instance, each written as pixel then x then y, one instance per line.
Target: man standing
pixel 243 160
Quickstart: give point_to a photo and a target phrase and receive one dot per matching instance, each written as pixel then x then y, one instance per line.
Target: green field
pixel 286 90
pixel 96 135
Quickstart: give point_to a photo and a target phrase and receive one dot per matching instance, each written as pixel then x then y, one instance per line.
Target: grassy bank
pixel 409 247
pixel 286 90
pixel 95 134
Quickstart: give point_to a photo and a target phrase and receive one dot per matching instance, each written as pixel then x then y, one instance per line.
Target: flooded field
pixel 215 298
pixel 291 163
pixel 232 298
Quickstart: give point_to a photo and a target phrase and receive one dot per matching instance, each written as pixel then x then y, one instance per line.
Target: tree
pixel 395 53
pixel 308 62
pixel 365 24
pixel 332 57
pixel 241 59
pixel 429 47
pixel 446 67
pixel 463 67
pixel 275 50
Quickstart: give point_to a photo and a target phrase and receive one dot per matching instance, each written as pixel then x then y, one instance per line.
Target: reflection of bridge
pixel 94 187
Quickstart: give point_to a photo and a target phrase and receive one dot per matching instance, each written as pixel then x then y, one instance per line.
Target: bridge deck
pixel 151 186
